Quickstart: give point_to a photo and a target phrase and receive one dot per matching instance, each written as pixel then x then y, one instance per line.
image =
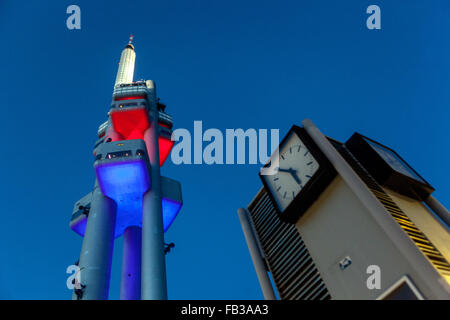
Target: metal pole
pixel 153 282
pixel 258 262
pixel 439 209
pixel 130 285
pixel 97 248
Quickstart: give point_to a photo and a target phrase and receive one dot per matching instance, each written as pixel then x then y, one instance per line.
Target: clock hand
pixel 296 177
pixel 293 173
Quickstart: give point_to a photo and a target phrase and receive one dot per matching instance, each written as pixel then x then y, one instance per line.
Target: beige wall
pixel 339 225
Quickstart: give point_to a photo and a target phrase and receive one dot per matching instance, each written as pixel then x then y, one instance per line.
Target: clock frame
pixel 363 148
pixel 312 189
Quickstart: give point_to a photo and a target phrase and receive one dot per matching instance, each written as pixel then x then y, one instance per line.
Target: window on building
pixel 140 152
pixel 118 154
pixel 403 289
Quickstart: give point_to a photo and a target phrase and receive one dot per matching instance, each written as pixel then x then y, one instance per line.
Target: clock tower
pixel 346 220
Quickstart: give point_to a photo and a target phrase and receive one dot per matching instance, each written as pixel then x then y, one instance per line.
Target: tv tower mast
pixel 126 65
pixel 130 197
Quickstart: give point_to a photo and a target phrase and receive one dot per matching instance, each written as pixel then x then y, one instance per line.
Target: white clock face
pixel 296 167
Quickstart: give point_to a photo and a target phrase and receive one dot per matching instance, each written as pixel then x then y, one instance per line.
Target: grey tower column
pixel 130 285
pixel 97 248
pixel 153 273
pixel 439 209
pixel 258 262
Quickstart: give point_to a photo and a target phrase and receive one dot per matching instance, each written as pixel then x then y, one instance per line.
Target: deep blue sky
pixel 231 64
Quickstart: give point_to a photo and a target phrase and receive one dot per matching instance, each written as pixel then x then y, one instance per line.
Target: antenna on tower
pixel 131 39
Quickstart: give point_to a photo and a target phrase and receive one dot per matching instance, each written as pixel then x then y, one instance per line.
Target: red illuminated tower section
pixel 129 121
pixel 130 109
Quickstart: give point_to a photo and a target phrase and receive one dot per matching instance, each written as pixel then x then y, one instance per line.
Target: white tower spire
pixel 126 64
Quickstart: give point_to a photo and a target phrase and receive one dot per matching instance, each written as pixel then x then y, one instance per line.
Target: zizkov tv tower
pixel 130 197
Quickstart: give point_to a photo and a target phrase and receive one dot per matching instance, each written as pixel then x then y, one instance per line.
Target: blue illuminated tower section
pixel 130 197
